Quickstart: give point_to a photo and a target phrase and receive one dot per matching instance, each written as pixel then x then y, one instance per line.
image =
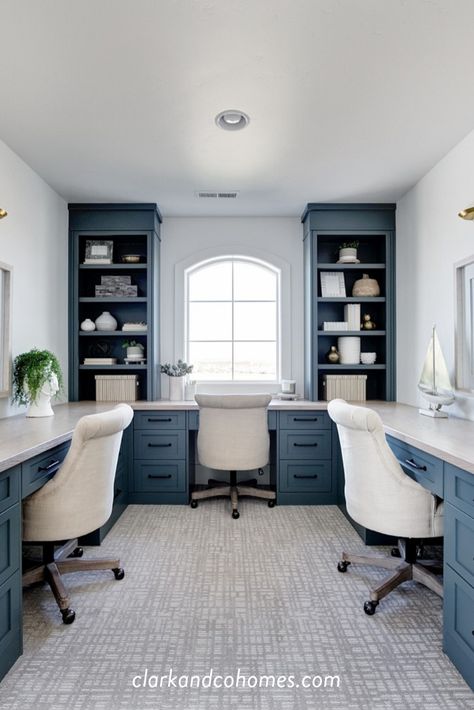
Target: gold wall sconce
pixel 3 213
pixel 467 213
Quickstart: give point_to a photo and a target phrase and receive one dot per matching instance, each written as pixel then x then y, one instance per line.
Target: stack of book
pixel 140 326
pixel 335 325
pixel 117 286
pixel 349 387
pixel 100 361
pixel 352 316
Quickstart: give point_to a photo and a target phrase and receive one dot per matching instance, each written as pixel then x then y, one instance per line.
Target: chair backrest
pixel 233 431
pixel 79 498
pixel 379 495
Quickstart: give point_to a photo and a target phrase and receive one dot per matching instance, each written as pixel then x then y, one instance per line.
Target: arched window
pixel 233 320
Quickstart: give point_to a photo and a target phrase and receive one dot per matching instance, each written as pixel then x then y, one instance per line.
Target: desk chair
pixel 77 501
pixel 381 497
pixel 233 436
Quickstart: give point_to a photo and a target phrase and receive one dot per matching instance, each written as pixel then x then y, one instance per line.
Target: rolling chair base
pixel 233 491
pixel 404 569
pixel 64 560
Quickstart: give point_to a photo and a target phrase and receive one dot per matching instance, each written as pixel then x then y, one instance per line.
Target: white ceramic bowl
pixel 368 358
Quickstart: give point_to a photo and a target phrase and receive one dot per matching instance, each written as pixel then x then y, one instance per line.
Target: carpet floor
pixel 255 603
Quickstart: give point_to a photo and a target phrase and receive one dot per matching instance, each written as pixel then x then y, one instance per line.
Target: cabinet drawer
pixel 459 488
pixel 458 627
pixel 10 542
pixel 9 487
pixel 169 445
pixel 10 616
pixel 459 541
pixel 159 420
pixel 305 476
pixel 422 467
pixel 310 445
pixel 304 420
pixel 151 476
pixel 38 470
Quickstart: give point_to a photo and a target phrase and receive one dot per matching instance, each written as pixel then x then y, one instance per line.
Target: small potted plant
pixel 176 374
pixel 348 253
pixel 135 350
pixel 37 377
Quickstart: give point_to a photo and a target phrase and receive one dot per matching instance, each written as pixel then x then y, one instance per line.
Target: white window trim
pixel 180 306
pixel 461 375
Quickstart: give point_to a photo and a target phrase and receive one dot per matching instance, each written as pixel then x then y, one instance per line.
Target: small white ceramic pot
pixel 87 325
pixel 368 358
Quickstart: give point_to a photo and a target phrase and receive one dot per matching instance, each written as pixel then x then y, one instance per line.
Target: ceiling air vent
pixel 217 195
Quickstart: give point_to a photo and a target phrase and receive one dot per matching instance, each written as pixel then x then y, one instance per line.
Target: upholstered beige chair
pixel 381 497
pixel 77 501
pixel 233 436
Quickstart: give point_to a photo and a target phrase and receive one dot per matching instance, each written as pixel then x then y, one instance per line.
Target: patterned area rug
pixel 255 604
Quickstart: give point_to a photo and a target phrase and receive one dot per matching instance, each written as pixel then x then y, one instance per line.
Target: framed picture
pixel 5 328
pixel 333 284
pixel 99 250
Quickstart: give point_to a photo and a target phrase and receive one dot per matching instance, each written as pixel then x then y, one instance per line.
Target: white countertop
pixel 449 439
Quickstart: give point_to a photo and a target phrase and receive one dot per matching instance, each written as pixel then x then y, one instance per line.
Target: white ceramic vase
pixel 41 407
pixel 176 388
pixel 106 322
pixel 87 325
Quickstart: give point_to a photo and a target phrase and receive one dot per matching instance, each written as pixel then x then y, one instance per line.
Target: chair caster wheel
pixel 343 565
pixel 119 573
pixel 395 552
pixel 68 615
pixel 194 504
pixel 271 503
pixel 370 607
pixel 235 514
pixel 78 552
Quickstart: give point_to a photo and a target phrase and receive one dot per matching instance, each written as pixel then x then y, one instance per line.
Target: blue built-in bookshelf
pixel 133 229
pixel 326 227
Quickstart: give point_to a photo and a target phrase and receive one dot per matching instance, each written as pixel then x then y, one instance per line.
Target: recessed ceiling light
pixel 232 120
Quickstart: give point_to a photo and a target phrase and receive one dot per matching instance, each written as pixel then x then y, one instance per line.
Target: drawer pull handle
pixel 49 466
pixel 305 419
pixel 298 475
pixel 311 445
pixel 155 475
pixel 159 446
pixel 160 419
pixel 414 465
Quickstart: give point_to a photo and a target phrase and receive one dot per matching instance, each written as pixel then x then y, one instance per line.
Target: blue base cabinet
pixel 458 635
pixel 10 569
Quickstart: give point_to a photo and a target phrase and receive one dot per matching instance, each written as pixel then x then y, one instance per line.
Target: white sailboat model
pixel 434 383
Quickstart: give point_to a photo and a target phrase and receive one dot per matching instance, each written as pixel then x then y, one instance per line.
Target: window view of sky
pixel 232 321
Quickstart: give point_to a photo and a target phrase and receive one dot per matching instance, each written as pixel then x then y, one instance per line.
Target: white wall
pixel 183 237
pixel 431 238
pixel 33 239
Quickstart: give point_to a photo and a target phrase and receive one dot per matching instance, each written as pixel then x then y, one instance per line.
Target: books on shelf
pixel 139 326
pixel 97 261
pixel 349 387
pixel 100 361
pixel 333 284
pixel 352 316
pixel 335 325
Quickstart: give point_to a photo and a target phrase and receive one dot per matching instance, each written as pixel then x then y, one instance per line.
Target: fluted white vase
pixel 106 322
pixel 176 388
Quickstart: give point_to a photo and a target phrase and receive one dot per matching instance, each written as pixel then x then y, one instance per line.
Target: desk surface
pixel 449 439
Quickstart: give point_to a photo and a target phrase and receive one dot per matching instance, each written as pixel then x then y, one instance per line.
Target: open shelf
pixel 113 333
pixel 112 267
pixel 328 366
pixel 112 299
pixel 349 267
pixel 359 333
pixel 112 367
pixel 351 299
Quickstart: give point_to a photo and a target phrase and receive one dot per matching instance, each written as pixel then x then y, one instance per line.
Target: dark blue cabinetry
pixel 10 569
pixel 326 228
pixel 133 229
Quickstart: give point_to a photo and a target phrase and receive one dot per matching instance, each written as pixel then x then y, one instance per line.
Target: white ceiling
pixel 349 100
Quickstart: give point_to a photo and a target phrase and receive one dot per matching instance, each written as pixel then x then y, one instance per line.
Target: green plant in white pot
pixel 135 350
pixel 37 377
pixel 176 374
